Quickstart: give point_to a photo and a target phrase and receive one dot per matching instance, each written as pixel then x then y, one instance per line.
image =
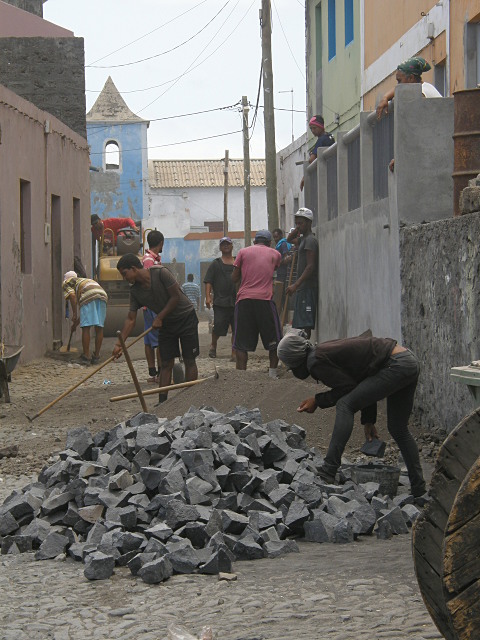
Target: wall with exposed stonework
pixel 55 81
pixel 440 282
pixel 32 6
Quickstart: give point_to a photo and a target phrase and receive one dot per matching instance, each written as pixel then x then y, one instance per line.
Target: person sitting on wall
pixel 408 72
pixel 324 139
pixel 360 372
pixel 115 224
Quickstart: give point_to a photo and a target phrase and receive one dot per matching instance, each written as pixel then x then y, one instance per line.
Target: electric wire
pixel 190 67
pixel 254 119
pixel 286 39
pixel 170 144
pixel 146 34
pixel 98 130
pixel 163 53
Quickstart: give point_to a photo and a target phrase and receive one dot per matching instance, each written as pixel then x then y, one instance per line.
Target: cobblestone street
pixel 366 589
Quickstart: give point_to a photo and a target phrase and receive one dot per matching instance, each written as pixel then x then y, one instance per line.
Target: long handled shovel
pixel 287 296
pixel 150 392
pixel 89 375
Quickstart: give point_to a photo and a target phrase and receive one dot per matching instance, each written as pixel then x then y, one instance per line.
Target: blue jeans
pixel 396 382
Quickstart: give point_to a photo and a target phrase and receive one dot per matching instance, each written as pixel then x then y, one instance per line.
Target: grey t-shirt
pixel 156 297
pixel 307 243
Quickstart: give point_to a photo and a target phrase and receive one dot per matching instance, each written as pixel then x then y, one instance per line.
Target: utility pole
pixel 246 175
pixel 225 195
pixel 269 117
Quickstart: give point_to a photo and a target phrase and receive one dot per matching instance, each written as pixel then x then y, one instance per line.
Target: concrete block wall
pixel 440 280
pixel 55 81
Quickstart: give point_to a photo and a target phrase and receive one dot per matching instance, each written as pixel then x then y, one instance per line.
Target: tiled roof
pixel 181 174
pixel 111 107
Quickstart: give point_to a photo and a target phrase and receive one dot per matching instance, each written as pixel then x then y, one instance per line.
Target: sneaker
pixel 83 360
pixel 326 476
pixel 212 353
pixel 95 360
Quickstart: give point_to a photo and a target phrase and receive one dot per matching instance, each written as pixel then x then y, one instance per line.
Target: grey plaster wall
pixel 423 131
pixel 289 176
pixel 32 6
pixel 440 277
pixel 359 284
pixel 49 73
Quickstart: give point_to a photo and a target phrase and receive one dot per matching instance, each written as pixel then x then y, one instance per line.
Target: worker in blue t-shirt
pixel 324 139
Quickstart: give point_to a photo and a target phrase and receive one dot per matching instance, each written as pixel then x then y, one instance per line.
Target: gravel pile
pixel 192 494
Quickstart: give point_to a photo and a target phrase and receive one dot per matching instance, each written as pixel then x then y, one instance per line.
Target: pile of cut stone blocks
pixel 192 494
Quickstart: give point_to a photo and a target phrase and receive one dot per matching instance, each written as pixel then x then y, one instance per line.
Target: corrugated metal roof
pixel 164 174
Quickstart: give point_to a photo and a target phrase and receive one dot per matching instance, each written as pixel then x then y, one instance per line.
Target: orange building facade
pixel 446 33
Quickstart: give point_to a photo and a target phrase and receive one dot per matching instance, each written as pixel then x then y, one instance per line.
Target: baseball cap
pixel 265 234
pixel 225 239
pixel 69 275
pixel 303 212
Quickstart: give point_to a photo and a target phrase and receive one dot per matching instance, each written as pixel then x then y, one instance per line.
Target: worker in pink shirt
pixel 255 311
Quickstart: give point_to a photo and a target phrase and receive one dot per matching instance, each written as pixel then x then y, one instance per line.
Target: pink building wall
pixel 51 160
pixel 17 23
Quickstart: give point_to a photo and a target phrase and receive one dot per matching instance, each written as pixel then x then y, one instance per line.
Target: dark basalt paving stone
pixel 192 494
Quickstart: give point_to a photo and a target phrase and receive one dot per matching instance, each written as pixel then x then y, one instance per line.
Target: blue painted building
pixel 118 142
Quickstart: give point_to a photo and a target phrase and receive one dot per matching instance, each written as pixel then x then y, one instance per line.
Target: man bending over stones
pixel 359 371
pixel 176 320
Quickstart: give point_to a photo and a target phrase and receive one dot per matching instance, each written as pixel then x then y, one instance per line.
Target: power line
pixel 190 68
pixel 146 34
pixel 181 115
pixel 163 53
pixel 170 144
pixel 254 119
pixel 286 39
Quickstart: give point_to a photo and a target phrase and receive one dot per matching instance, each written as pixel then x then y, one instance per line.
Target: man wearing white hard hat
pixel 255 310
pixel 306 285
pixel 89 307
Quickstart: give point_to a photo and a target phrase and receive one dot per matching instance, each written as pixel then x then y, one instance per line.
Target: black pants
pixel 396 382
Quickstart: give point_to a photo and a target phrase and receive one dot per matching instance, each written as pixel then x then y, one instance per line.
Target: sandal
pixel 83 360
pixel 212 353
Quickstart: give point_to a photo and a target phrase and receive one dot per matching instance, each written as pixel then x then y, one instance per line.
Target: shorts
pixel 305 310
pixel 93 313
pixel 223 317
pixel 183 331
pixel 151 339
pixel 254 318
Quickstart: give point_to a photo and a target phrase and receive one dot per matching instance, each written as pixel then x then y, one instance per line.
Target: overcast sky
pixel 198 55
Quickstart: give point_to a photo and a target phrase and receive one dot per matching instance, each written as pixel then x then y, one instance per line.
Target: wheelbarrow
pixel 9 355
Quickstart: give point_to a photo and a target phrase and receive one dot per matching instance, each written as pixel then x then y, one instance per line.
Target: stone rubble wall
pixel 440 300
pixel 55 81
